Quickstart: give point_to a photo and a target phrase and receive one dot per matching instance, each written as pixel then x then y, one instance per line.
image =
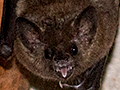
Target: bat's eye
pixel 73 49
pixel 48 53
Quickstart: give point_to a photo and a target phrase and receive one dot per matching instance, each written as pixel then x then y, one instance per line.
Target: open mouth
pixel 64 70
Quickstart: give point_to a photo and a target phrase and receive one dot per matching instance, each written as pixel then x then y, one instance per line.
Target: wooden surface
pixel 1 6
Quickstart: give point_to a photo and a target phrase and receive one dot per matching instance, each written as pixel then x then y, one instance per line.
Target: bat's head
pixel 59 40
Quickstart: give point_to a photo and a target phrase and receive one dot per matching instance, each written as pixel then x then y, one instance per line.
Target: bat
pixel 63 42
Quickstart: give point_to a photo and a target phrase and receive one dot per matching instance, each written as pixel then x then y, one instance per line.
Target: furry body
pixel 89 27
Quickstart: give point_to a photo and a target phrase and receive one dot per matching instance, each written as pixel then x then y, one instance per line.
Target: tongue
pixel 64 72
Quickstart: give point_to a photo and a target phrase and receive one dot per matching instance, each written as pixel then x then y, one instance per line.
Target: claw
pixel 60 84
pixel 5 51
pixel 72 86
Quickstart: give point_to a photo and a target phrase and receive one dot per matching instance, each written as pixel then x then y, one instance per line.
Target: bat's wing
pixel 8 31
pixel 91 78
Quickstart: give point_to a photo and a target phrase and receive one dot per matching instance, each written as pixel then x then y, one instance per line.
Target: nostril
pixel 61 57
pixel 57 58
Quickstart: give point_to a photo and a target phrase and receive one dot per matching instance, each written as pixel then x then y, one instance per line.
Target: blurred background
pixel 112 75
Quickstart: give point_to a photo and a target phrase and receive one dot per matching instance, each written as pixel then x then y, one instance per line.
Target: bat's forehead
pixel 58 10
pixel 52 9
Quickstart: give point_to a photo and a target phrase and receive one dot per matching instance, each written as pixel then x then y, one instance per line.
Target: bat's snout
pixel 63 66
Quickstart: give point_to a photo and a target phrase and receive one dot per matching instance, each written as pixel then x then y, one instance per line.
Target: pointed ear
pixel 85 25
pixel 29 33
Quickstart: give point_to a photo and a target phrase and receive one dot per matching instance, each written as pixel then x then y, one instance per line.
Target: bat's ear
pixel 29 33
pixel 85 24
pixel 8 33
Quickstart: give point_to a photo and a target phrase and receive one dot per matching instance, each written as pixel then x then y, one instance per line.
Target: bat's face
pixel 60 40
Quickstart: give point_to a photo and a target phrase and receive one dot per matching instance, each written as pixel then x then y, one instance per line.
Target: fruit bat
pixel 63 42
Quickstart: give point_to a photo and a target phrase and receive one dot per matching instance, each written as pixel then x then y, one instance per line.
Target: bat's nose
pixel 60 56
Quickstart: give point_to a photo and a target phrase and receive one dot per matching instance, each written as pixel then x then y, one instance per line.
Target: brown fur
pixel 65 12
pixel 106 22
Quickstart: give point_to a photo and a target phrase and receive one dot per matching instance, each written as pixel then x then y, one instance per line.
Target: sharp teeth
pixel 70 67
pixel 64 71
pixel 57 69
